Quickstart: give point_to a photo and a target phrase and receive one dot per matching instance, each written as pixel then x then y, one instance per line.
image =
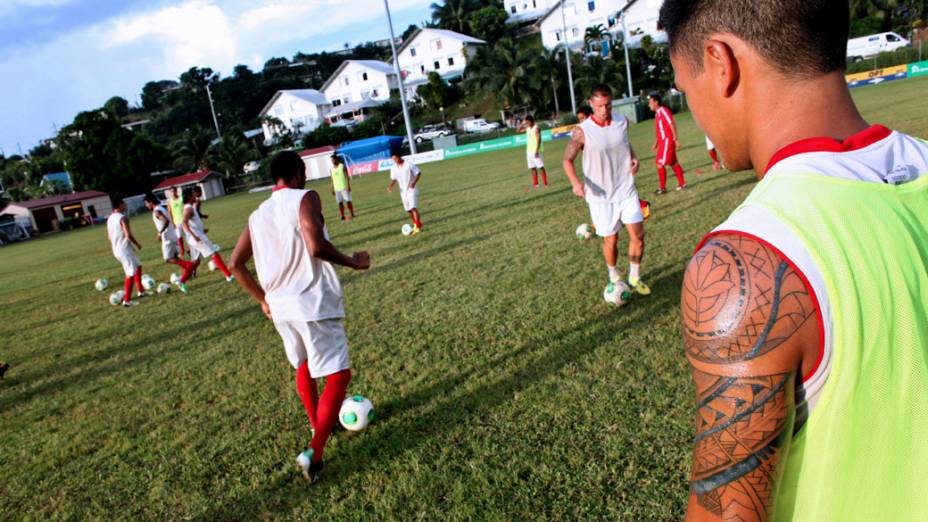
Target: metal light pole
pixel 570 76
pixel 212 109
pixel 399 76
pixel 628 67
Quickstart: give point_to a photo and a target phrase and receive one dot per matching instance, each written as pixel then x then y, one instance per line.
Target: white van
pixel 867 46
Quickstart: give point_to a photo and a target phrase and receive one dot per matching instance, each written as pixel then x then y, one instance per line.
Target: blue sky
pixel 59 57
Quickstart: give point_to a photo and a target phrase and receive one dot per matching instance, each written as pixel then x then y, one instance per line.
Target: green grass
pixel 506 389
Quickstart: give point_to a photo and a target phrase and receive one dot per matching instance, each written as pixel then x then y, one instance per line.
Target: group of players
pixel 177 218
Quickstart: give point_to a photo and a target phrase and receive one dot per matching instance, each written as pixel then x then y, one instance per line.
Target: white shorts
pixel 169 249
pixel 535 162
pixel 410 199
pixel 178 231
pixel 130 262
pixel 608 218
pixel 198 249
pixel 342 196
pixel 321 344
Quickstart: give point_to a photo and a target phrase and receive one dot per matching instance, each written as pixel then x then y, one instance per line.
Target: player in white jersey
pixel 122 241
pixel 608 186
pixel 407 174
pixel 300 293
pixel 200 245
pixel 170 247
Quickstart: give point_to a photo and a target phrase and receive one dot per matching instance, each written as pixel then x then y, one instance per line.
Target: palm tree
pixel 548 66
pixel 231 154
pixel 192 147
pixel 505 69
pixel 594 35
pixel 452 14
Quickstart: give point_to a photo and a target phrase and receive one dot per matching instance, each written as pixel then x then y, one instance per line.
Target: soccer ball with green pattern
pixel 164 288
pixel 356 413
pixel 175 278
pixel 117 297
pixel 584 231
pixel 101 284
pixel 617 293
pixel 148 282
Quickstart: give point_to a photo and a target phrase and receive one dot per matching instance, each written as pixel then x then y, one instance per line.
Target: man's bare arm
pixel 747 321
pixel 312 228
pixel 570 154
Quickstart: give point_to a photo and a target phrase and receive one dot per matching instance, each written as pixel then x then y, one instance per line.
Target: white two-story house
pixel 440 50
pixel 524 11
pixel 297 110
pixel 640 20
pixel 356 86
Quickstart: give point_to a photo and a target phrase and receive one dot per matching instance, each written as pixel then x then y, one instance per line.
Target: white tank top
pixel 607 176
pixel 164 223
pixel 195 223
pixel 117 238
pixel 297 286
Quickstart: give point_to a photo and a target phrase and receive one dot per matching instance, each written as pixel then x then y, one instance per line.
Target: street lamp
pixel 442 110
pixel 212 109
pixel 570 76
pixel 399 76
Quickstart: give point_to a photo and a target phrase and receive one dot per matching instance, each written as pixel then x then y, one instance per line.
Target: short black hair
pixel 150 197
pixel 799 38
pixel 115 201
pixel 197 189
pixel 585 110
pixel 336 158
pixel 656 97
pixel 529 117
pixel 187 195
pixel 601 89
pixel 285 165
pixel 396 151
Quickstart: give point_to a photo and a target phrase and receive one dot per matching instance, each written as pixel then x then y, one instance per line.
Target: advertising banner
pixel 887 74
pixel 918 69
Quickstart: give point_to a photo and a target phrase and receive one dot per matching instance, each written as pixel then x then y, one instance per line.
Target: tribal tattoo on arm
pixel 747 319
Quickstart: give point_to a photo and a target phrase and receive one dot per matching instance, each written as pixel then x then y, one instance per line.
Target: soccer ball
pixel 164 288
pixel 117 297
pixel 584 231
pixel 407 229
pixel 101 284
pixel 148 282
pixel 175 278
pixel 211 265
pixel 617 293
pixel 356 413
pixel 218 248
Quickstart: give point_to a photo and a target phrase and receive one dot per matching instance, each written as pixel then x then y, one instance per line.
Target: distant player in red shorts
pixel 666 145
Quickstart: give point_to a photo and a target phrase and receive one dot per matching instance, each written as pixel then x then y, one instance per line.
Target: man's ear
pixel 720 63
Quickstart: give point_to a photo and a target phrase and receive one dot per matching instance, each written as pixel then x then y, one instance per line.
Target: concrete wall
pixel 317 166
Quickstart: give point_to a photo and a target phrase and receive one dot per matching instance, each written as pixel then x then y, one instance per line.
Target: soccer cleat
pixel 127 304
pixel 3 368
pixel 142 294
pixel 182 287
pixel 416 230
pixel 660 191
pixel 682 187
pixel 230 278
pixel 715 166
pixel 310 469
pixel 639 287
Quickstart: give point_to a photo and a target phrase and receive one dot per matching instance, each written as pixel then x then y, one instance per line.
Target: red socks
pixel 662 176
pixel 534 178
pixel 128 289
pixel 306 387
pixel 220 265
pixel 341 210
pixel 187 266
pixel 544 177
pixel 678 171
pixel 714 155
pixel 138 279
pixel 351 209
pixel 327 411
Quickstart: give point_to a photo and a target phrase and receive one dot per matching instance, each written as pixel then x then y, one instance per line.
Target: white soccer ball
pixel 175 278
pixel 218 248
pixel 407 229
pixel 584 231
pixel 617 293
pixel 356 413
pixel 211 265
pixel 101 284
pixel 164 288
pixel 148 282
pixel 117 297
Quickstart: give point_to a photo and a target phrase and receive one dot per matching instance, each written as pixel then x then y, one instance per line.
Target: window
pixel 422 69
pixel 591 5
pixel 892 38
pixel 374 93
pixel 534 4
pixel 437 65
pixel 336 103
pixel 513 9
pixel 412 51
pixel 346 80
pixel 364 77
pixel 346 99
pixel 557 35
pixel 438 45
pixel 575 32
pixel 451 61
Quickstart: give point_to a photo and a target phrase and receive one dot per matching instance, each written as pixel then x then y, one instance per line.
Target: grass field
pixel 506 389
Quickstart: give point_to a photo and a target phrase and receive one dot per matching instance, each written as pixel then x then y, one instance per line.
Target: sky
pixel 60 57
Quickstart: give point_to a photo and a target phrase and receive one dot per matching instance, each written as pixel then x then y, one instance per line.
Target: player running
pixel 170 250
pixel 804 314
pixel 665 147
pixel 533 149
pixel 176 204
pixel 200 245
pixel 122 240
pixel 300 292
pixel 407 174
pixel 341 187
pixel 608 186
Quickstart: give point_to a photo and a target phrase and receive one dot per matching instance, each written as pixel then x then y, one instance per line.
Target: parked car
pixel 430 132
pixel 479 125
pixel 872 45
pixel 251 166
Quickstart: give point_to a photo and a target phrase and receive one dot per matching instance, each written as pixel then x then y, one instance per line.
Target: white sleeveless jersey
pixel 876 155
pixel 195 223
pixel 297 286
pixel 118 239
pixel 164 223
pixel 403 174
pixel 607 175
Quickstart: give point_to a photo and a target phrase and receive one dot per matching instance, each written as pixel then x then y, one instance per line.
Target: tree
pixel 326 135
pixel 191 149
pixel 242 72
pixel 153 93
pixel 196 78
pixel 504 69
pixel 409 32
pixel 488 23
pixel 434 93
pixel 594 35
pixel 551 73
pixel 117 106
pixel 276 62
pixel 231 154
pixel 453 14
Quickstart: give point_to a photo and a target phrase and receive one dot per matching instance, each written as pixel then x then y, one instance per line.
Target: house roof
pixel 186 179
pixel 311 95
pixel 438 32
pixel 557 6
pixel 59 199
pixel 317 151
pixel 370 64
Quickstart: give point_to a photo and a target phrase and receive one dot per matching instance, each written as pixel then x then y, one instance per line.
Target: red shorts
pixel 666 153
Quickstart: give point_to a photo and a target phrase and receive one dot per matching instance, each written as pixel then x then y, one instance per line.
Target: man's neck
pixel 821 107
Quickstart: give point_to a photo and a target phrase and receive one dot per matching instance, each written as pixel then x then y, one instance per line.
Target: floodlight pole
pixel 399 76
pixel 628 66
pixel 570 76
pixel 212 109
